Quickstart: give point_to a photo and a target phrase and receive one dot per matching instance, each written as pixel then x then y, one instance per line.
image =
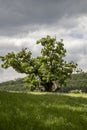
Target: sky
pixel 23 22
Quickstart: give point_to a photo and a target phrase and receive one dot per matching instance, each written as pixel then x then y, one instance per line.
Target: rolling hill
pixel 77 81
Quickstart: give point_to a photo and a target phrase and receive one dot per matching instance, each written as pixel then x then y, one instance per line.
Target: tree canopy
pixel 46 69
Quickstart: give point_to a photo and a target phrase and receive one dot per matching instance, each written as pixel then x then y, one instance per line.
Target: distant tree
pixel 45 69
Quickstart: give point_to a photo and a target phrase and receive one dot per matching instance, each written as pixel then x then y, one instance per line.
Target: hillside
pixel 13 85
pixel 77 81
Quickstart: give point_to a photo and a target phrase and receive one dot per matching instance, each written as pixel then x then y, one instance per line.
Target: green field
pixel 24 111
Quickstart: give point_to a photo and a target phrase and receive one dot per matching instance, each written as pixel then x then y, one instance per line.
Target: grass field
pixel 22 111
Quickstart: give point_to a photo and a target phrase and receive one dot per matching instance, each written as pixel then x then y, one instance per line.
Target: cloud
pixel 74 38
pixel 23 22
pixel 9 74
pixel 21 15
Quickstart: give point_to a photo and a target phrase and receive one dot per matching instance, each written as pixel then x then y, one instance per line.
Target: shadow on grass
pixel 21 111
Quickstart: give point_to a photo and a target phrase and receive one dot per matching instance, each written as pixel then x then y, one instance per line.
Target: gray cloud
pixel 31 47
pixel 22 22
pixel 20 15
pixel 1 70
pixel 9 74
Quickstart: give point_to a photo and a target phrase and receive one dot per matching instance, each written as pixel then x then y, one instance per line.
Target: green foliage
pixel 21 111
pixel 44 69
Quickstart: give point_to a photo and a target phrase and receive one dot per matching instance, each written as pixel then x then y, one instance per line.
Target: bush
pixel 76 91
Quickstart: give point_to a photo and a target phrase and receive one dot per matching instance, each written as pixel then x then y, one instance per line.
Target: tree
pixel 44 70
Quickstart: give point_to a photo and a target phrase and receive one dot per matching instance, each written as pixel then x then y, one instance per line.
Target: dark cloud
pixel 24 21
pixel 15 15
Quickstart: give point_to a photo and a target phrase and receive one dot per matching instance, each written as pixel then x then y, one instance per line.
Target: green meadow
pixel 36 111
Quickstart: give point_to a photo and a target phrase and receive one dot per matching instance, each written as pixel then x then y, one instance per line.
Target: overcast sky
pixel 22 22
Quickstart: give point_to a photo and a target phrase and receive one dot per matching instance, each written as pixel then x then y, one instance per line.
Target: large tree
pixel 46 69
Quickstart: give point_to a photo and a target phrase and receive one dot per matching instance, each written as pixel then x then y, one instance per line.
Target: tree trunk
pixel 48 87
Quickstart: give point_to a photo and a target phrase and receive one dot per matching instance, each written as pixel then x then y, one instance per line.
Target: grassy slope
pixel 21 111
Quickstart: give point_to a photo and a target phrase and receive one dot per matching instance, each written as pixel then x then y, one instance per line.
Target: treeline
pixel 13 85
pixel 77 81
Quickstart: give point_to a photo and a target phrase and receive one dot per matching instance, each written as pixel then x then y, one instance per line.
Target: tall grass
pixel 21 111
